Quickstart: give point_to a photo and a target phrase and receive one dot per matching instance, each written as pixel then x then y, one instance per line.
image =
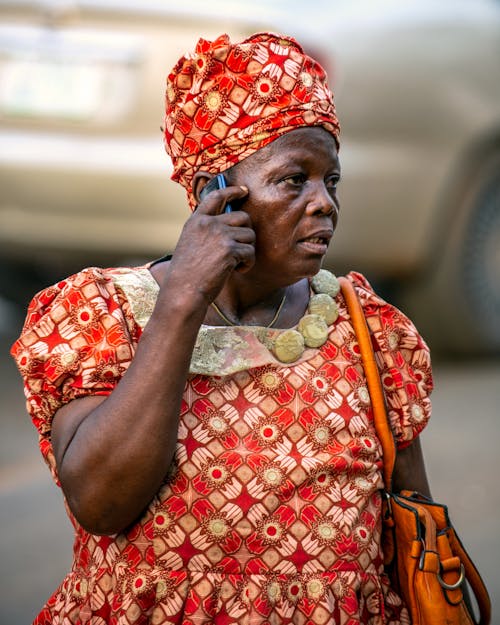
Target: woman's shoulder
pixel 102 277
pixel 366 292
pixel 403 359
pixel 386 320
pixel 86 285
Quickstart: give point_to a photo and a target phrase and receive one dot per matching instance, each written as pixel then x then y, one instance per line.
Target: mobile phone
pixel 217 182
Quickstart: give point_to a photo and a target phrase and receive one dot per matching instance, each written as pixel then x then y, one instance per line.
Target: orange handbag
pixel 424 557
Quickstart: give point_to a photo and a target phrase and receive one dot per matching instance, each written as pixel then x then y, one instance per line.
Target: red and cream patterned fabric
pixel 227 100
pixel 271 514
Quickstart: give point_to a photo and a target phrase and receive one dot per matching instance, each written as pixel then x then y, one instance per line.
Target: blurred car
pixel 84 177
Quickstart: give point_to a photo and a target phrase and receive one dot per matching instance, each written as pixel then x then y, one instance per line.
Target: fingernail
pixel 243 188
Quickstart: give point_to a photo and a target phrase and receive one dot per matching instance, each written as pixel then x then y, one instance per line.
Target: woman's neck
pixel 250 302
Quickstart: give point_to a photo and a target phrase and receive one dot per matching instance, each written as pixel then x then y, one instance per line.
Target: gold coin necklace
pixel 312 329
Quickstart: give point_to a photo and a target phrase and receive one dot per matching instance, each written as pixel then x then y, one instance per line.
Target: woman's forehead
pixel 298 138
pixel 297 144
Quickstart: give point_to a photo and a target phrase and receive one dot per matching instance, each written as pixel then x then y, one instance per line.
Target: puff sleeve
pixel 404 362
pixel 78 339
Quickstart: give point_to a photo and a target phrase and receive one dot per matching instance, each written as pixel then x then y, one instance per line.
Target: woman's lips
pixel 318 243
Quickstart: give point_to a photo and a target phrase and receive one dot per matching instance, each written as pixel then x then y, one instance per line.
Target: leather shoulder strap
pixel 380 417
pixel 384 433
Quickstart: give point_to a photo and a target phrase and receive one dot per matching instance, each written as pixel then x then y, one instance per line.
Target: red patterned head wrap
pixel 226 101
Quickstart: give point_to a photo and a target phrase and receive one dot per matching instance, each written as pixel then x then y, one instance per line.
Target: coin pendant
pixel 288 346
pixel 314 330
pixel 323 305
pixel 325 282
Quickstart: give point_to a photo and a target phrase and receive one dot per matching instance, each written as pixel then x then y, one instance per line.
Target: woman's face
pixel 292 200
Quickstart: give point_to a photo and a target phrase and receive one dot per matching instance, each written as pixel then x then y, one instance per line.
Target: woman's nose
pixel 321 201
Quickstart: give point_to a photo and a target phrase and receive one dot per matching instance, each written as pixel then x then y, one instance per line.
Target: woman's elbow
pixel 98 514
pixel 99 520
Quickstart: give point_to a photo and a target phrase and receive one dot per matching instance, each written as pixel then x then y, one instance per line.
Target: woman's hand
pixel 212 245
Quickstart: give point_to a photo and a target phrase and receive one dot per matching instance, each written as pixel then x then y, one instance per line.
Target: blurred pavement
pixel 460 444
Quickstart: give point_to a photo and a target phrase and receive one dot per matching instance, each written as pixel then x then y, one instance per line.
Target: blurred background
pixel 84 180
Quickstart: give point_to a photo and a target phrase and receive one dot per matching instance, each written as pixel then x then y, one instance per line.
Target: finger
pixel 214 202
pixel 235 220
pixel 244 257
pixel 241 234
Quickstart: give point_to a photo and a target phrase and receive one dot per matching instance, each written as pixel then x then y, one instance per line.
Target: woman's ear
pixel 200 179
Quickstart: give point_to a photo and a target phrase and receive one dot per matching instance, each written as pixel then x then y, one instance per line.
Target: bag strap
pixel 384 433
pixel 473 577
pixel 375 390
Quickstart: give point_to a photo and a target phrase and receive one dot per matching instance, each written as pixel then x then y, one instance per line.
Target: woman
pixel 212 437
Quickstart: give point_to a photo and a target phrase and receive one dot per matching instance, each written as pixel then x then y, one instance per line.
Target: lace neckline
pixel 219 350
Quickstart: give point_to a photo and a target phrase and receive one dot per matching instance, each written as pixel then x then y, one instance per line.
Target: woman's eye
pixel 295 179
pixel 332 183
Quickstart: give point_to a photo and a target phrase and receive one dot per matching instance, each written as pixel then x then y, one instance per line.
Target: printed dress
pixel 271 513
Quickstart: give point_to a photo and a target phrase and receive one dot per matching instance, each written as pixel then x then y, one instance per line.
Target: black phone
pixel 217 182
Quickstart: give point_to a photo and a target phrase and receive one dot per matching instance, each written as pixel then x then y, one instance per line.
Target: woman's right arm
pixel 113 453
